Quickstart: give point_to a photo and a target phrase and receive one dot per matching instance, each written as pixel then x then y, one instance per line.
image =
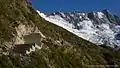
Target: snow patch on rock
pixel 100 32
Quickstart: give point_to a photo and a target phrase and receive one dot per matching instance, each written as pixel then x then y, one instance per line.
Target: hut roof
pixel 22 48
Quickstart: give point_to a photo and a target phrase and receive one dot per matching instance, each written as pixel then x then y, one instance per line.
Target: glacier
pixel 101 28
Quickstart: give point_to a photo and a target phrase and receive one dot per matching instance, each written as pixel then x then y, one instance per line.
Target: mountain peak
pixel 96 27
pixel 21 25
pixel 107 11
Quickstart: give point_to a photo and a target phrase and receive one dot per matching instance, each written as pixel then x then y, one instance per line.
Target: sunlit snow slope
pixel 97 27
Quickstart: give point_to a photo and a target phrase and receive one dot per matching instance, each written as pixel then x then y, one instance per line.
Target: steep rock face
pixel 97 27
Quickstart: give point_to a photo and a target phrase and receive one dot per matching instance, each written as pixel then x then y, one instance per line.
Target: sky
pixel 77 5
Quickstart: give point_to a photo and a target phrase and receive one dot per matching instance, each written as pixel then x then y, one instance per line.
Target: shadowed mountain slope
pixel 59 48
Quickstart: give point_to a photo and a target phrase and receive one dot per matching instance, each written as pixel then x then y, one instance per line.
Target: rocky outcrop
pixel 26 34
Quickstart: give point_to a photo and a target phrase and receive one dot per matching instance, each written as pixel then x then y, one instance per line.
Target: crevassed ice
pixel 102 35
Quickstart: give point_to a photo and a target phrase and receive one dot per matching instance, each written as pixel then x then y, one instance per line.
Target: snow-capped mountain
pixel 97 27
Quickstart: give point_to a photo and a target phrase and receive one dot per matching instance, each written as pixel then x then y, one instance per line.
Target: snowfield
pixel 94 27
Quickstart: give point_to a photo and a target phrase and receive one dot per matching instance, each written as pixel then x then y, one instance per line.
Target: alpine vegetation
pixel 32 40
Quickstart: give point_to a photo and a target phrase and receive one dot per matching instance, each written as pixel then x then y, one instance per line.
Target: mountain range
pixel 63 40
pixel 97 27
